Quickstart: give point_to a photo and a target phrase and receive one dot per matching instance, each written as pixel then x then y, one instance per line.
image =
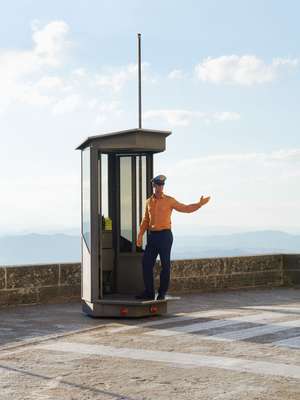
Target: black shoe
pixel 160 297
pixel 144 296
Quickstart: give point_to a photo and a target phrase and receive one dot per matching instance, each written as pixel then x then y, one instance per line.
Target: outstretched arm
pixel 189 208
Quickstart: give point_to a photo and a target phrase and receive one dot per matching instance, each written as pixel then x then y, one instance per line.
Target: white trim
pixel 179 360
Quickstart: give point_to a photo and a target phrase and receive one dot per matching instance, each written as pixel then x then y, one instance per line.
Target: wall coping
pixel 177 260
pixel 38 283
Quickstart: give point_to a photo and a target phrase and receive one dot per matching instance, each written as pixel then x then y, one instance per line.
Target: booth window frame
pixel 86 197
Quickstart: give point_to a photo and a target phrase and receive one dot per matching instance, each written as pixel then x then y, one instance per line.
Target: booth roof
pixel 136 131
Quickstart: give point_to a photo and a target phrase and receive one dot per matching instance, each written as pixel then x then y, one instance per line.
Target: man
pixel 157 219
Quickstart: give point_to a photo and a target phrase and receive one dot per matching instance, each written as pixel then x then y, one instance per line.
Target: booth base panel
pixel 122 308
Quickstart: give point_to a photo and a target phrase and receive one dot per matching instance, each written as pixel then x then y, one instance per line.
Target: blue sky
pixel 223 76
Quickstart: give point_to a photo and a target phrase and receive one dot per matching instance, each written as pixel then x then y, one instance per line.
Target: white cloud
pixel 106 110
pixel 286 155
pixel 67 104
pixel 227 116
pixel 116 79
pixel 176 74
pixel 80 73
pixel 50 82
pixel 275 157
pixel 50 42
pixel 173 117
pixel 39 77
pixel 244 70
pixel 250 189
pixel 186 117
pixel 21 71
pixel 47 200
pixel 290 62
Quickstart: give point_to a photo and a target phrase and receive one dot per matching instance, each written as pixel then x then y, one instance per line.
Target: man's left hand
pixel 204 200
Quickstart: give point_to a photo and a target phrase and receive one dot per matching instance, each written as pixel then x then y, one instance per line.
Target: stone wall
pixel 33 284
pixel 234 273
pixel 291 269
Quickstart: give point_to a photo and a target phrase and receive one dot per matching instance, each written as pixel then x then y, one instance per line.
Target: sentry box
pixel 116 169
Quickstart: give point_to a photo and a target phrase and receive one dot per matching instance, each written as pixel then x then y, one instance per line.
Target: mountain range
pixel 38 248
pixel 53 248
pixel 237 244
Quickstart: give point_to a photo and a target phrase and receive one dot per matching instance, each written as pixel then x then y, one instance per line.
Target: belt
pixel 163 230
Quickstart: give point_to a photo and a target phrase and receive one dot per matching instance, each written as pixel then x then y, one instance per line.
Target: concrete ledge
pixel 58 283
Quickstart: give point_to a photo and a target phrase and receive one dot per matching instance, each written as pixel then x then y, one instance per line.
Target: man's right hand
pixel 139 242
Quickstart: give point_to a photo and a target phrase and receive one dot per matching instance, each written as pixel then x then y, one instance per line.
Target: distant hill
pixel 258 242
pixel 38 248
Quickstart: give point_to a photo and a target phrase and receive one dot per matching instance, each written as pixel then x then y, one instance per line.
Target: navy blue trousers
pixel 158 243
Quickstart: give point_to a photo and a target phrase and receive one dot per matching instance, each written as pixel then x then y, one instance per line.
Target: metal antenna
pixel 139 81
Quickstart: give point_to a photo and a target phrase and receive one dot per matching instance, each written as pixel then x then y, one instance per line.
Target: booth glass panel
pixel 126 204
pixel 139 212
pixel 104 187
pixel 141 191
pixel 144 191
pixel 106 250
pixel 86 197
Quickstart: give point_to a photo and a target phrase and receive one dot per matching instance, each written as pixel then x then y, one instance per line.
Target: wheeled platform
pixel 126 307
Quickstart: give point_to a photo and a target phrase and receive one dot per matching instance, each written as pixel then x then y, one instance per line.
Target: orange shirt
pixel 158 212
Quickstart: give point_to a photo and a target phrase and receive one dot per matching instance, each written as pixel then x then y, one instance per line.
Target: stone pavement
pixel 213 346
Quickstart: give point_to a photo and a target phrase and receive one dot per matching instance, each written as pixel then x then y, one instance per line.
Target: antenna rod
pixel 139 81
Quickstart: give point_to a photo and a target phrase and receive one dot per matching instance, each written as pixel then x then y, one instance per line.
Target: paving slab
pixel 56 352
